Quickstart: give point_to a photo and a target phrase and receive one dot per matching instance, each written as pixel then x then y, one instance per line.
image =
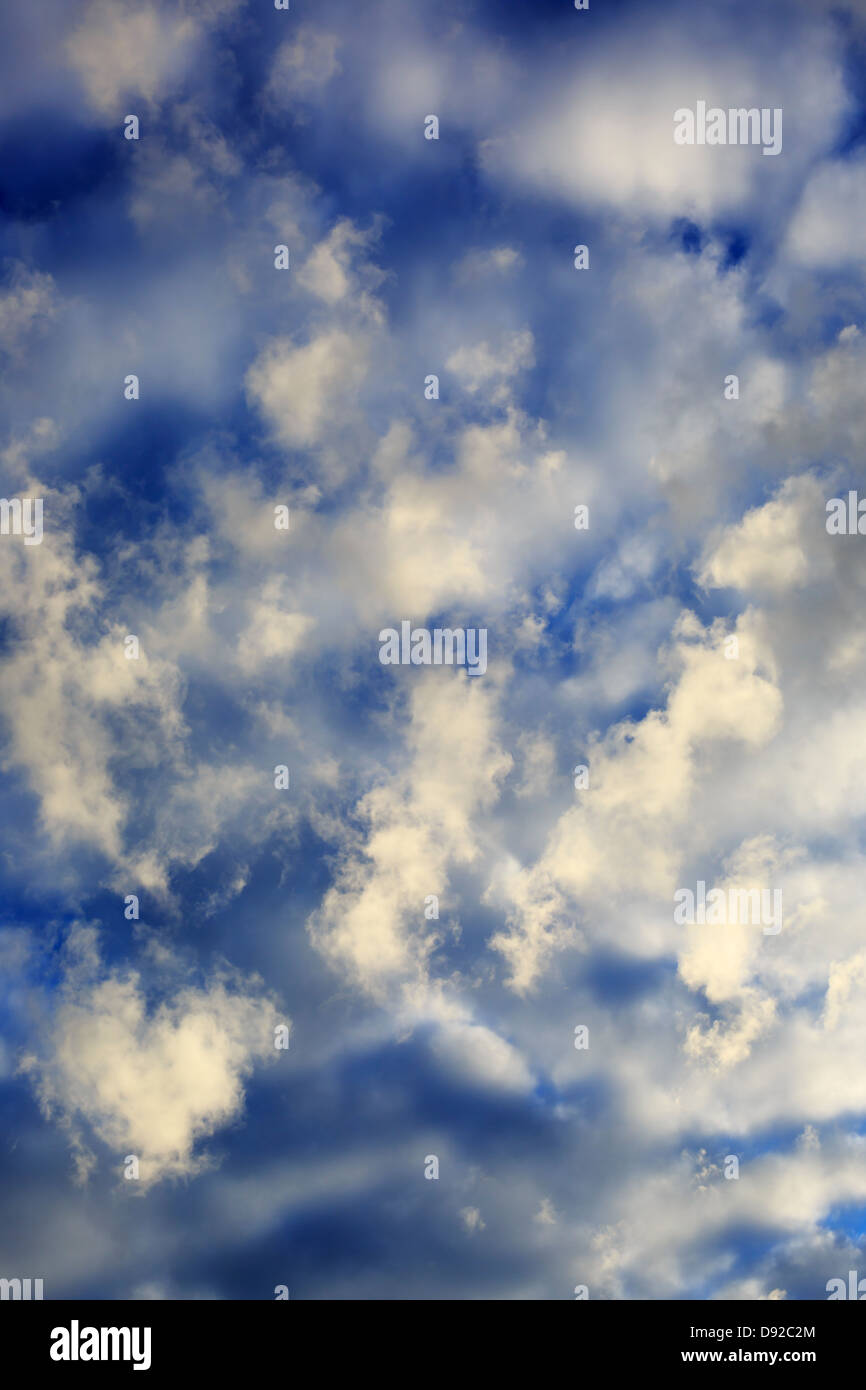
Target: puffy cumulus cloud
pixel 726 964
pixel 371 923
pixel 800 991
pixel 672 1226
pixel 240 512
pixel 302 389
pixel 625 835
pixel 308 391
pixel 101 738
pixel 823 232
pixel 475 1054
pixel 188 174
pixel 72 701
pixel 546 1214
pixel 758 1022
pixel 412 74
pixel 834 398
pixel 29 302
pixel 772 999
pixel 601 131
pixel 333 270
pixel 697 446
pixel 151 1080
pixel 472 1219
pixel 189 330
pixel 769 548
pixel 537 762
pixel 750 1289
pixel 421 546
pixel 482 366
pixel 209 801
pixel 471 534
pixel 274 632
pixel 302 65
pixel 618 576
pixel 488 261
pixel 139 51
pixel 41 436
pixel 845 977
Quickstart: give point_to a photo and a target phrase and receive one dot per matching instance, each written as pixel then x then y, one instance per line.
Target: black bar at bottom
pixel 159 1338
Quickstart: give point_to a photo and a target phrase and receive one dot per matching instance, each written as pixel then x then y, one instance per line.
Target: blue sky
pixel 700 648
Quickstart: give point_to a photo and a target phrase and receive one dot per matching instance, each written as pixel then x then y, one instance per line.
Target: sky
pixel 356 980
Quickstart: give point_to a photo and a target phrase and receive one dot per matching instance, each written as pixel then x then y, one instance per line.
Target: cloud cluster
pixel 149 1083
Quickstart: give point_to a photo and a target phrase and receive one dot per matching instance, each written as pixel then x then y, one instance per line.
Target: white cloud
pixel 137 52
pixel 30 302
pixel 473 1053
pixel 603 133
pixel 472 1219
pixel 302 389
pixel 61 692
pixel 625 834
pixel 273 631
pixel 332 271
pixel 825 229
pixel 371 923
pixel 149 1081
pixel 489 261
pixel 768 549
pixel 481 365
pixel 302 65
